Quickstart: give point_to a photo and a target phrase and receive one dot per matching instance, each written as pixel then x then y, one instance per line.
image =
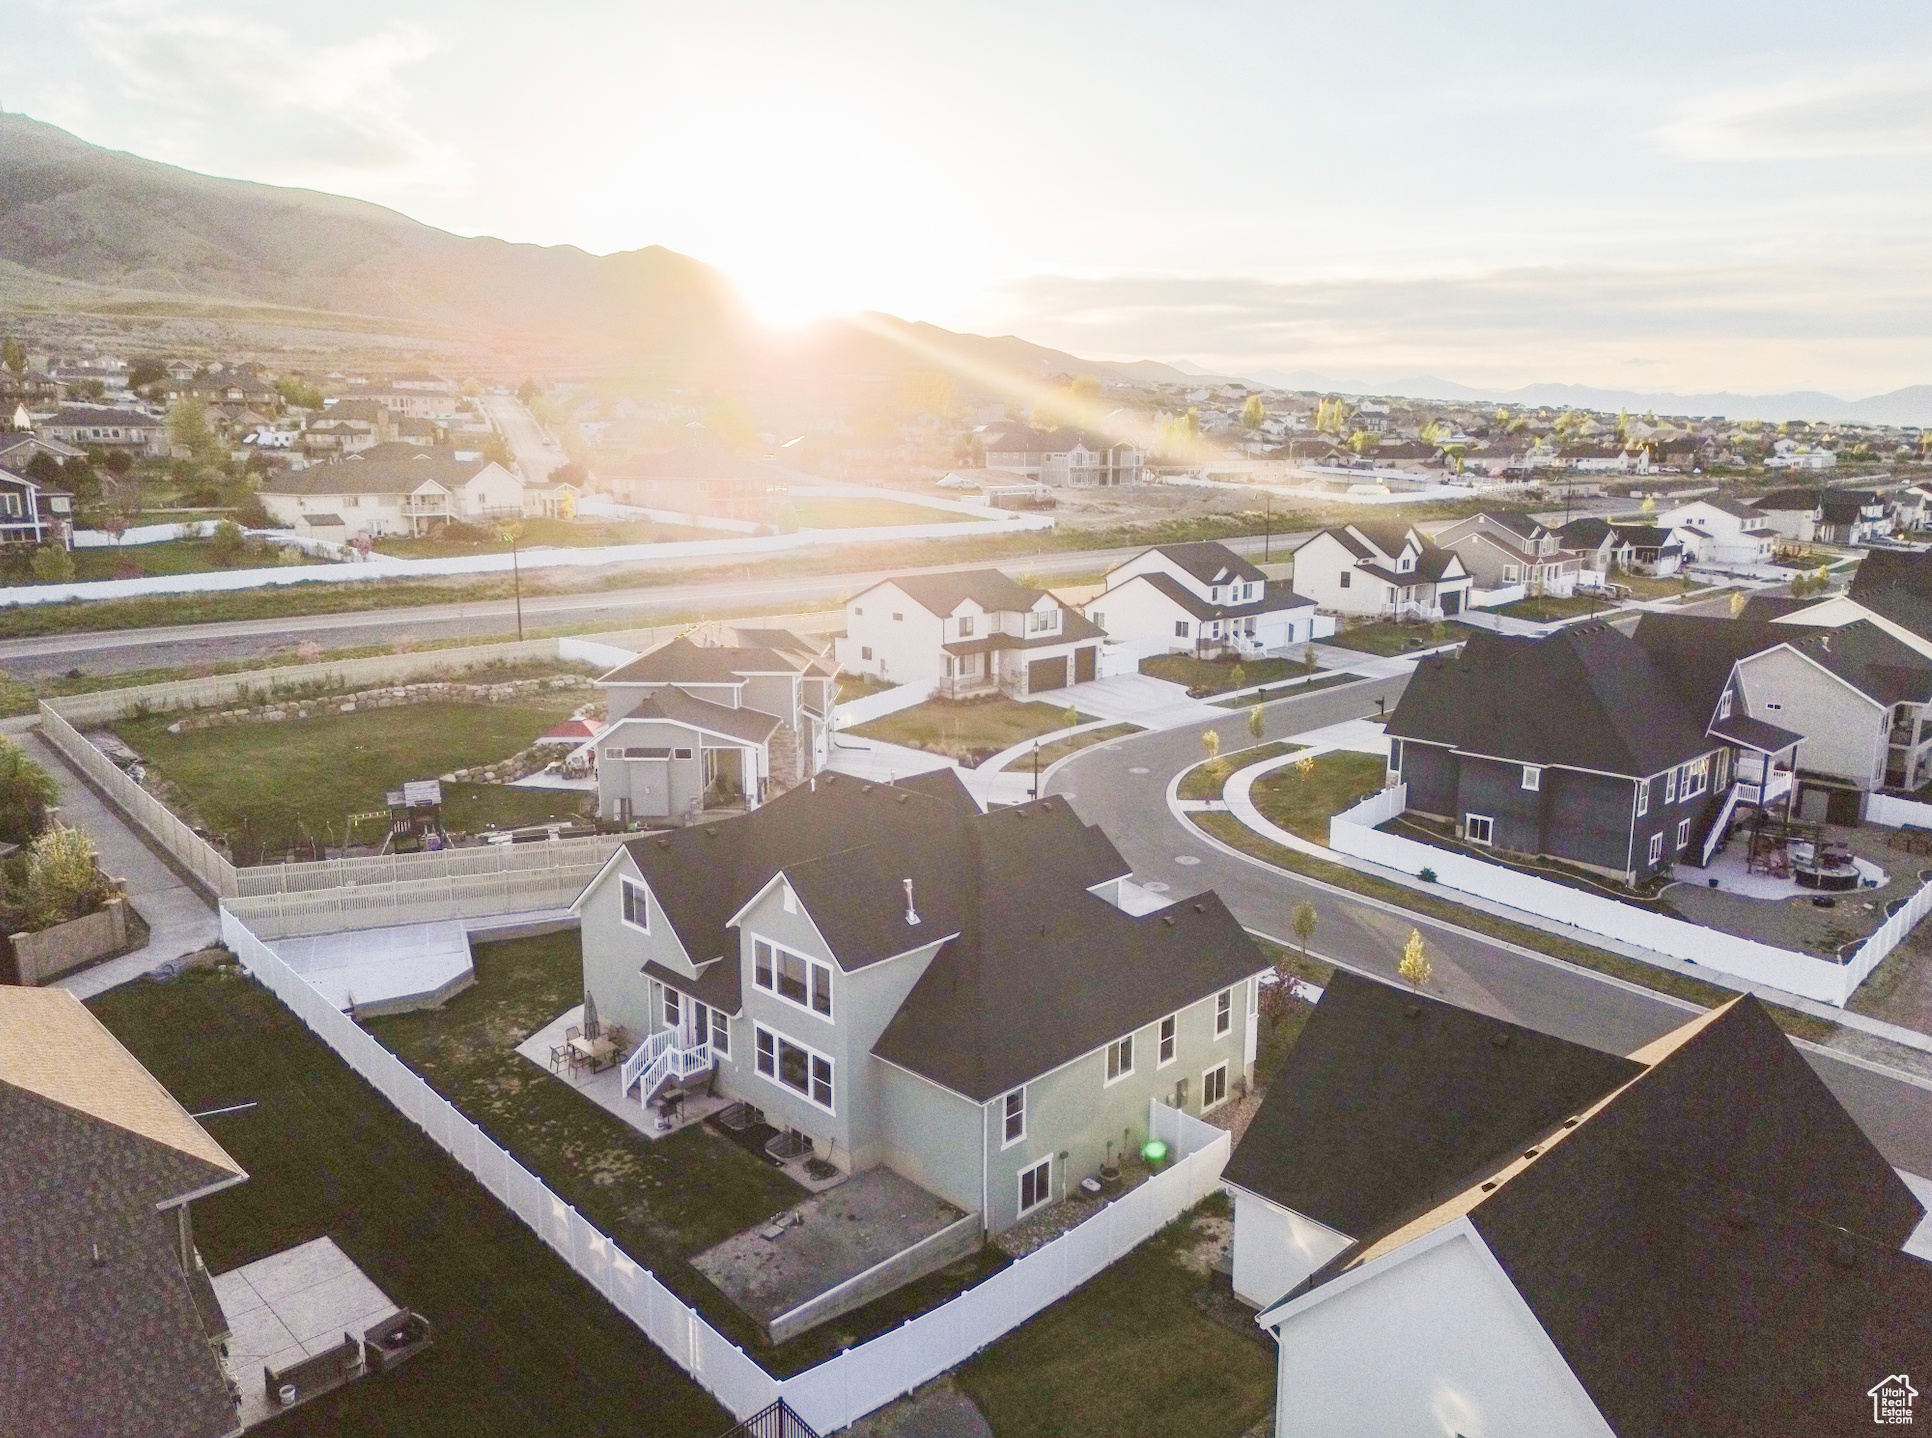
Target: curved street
pixel 1122 787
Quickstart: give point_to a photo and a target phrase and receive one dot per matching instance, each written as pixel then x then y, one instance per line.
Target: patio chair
pixel 575 1031
pixel 559 1056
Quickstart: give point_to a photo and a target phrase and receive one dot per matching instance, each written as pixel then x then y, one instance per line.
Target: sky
pixel 1698 195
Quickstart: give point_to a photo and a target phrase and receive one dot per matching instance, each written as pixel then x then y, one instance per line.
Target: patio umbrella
pixel 591 1030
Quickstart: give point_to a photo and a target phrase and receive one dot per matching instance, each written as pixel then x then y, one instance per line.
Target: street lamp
pixel 509 536
pixel 1036 768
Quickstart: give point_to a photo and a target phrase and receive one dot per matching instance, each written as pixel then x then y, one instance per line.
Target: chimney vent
pixel 912 914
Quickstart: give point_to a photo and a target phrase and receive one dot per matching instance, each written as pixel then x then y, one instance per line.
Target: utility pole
pixel 1036 768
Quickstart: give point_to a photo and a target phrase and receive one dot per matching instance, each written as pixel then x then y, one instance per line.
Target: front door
pixel 694 1029
pixel 1452 602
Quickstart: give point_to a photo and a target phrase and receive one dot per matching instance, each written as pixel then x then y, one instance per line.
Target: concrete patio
pixel 603 1089
pixel 290 1306
pixel 385 971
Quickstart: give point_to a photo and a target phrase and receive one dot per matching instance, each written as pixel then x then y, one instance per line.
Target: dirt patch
pixel 1210 1239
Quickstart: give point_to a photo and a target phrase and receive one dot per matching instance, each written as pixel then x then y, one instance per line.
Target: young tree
pixel 13 354
pixel 1211 741
pixel 1304 919
pixel 1253 412
pixel 1414 965
pixel 228 543
pixel 1256 723
pixel 188 429
pixel 27 792
pixel 1737 603
pixel 63 879
pixel 52 564
pixel 496 447
pixel 1238 677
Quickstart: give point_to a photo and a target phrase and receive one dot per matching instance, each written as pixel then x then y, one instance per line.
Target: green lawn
pixel 1130 1352
pixel 865 513
pixel 1204 781
pixel 262 783
pixel 662 1201
pixel 1552 606
pixel 1204 677
pixel 1386 638
pixel 175 556
pixel 1302 803
pixel 522 1344
pixel 1292 688
pixel 552 533
pixel 1060 748
pixel 861 686
pixel 970 732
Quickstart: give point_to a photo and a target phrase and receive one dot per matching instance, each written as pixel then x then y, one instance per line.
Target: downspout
pixel 985 1178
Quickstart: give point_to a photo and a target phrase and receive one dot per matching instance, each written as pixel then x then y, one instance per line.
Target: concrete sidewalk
pixel 1136 699
pixel 180 920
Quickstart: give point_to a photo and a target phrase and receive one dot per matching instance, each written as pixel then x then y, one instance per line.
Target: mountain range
pixel 88 229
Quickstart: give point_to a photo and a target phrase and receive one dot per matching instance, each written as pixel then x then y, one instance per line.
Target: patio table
pixel 601 1053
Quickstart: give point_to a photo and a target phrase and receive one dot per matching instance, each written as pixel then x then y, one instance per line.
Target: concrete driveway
pixel 1136 699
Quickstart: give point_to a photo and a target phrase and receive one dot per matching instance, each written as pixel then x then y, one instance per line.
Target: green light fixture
pixel 1154 1151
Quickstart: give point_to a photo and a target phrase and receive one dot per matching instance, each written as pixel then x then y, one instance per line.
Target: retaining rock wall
pixel 392 697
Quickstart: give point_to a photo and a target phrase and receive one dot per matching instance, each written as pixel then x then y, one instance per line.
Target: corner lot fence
pixel 1831 981
pixel 843 1389
pixel 1898 813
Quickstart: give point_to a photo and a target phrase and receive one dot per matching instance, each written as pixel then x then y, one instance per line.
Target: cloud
pixel 1873 110
pixel 237 93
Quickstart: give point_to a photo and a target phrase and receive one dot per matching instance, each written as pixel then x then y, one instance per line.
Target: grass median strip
pixel 1232 832
pixel 1204 781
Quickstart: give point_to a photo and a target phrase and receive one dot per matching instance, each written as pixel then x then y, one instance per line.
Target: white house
pixel 1513 1236
pixel 1382 569
pixel 976 633
pixel 1191 597
pixel 1788 454
pixel 1722 531
pixel 403 496
pixel 1793 513
pixel 1062 457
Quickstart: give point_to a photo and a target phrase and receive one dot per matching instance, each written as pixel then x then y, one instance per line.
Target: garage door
pixel 1044 674
pixel 1083 664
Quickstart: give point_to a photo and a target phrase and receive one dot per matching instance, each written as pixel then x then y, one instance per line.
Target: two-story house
pixel 1485 1230
pixel 34 513
pixel 1793 514
pixel 967 998
pixel 1853 516
pixel 692 727
pixel 1190 598
pixel 1722 531
pixel 1573 746
pixel 1599 549
pixel 379 497
pixel 105 427
pixel 1510 547
pixel 1063 457
pixel 1384 569
pixel 976 633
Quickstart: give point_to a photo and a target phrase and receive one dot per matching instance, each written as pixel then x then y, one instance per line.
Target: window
pixel 720 1034
pixel 1223 1012
pixel 795 1067
pixel 1015 1129
pixel 857 610
pixel 1511 574
pixel 637 905
pixel 1532 777
pixel 614 753
pixel 965 626
pixel 795 979
pixel 650 751
pixel 865 651
pixel 1042 621
pixel 1346 576
pixel 1120 1059
pixel 1180 629
pixel 1683 833
pixel 1478 828
pixel 1214 1087
pixel 1643 797
pixel 1099 619
pixel 1165 1054
pixel 1670 786
pixel 672 1016
pixel 1036 1185
pixel 1724 705
pixel 898 618
pixel 680 753
pixel 1214 594
pixel 1656 848
pixel 1695 775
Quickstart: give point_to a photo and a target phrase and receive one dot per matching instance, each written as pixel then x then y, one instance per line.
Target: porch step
pixel 671 1083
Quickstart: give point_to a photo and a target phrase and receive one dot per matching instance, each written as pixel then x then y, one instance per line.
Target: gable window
pixel 1036 1185
pixel 857 610
pixel 792 977
pixel 1214 1087
pixel 1478 828
pixel 680 753
pixel 1223 1012
pixel 1643 797
pixel 1120 1059
pixel 1042 621
pixel 965 626
pixel 1214 594
pixel 1015 1123
pixel 1724 705
pixel 637 904
pixel 1532 777
pixel 1165 1054
pixel 1656 848
pixel 795 1067
pixel 1099 619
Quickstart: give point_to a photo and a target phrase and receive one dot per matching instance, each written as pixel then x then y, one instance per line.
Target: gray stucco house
pixel 694 727
pixel 968 998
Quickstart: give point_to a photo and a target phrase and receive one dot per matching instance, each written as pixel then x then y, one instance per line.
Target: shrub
pixel 27 792
pixel 63 879
pixel 1428 876
pixel 228 544
pixel 52 564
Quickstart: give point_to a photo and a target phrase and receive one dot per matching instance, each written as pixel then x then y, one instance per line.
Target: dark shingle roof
pixel 1037 970
pixel 380 476
pixel 1897 585
pixel 1209 562
pixel 1766 607
pixel 1696 652
pixel 941 594
pixel 1390 1098
pixel 753 725
pixel 679 661
pixel 1276 595
pixel 1790 499
pixel 1587 696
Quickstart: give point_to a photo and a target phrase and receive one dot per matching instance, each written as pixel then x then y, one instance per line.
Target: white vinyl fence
pixel 843 1389
pixel 888 701
pixel 1896 813
pixel 1490 598
pixel 1353 832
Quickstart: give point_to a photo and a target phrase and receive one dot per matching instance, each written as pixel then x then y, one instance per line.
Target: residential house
pixel 34 513
pixel 1064 457
pixel 238 387
pixel 407 496
pixel 1793 513
pixel 1520 1238
pixel 1852 516
pixel 1600 550
pixel 1789 454
pixel 1384 569
pixel 976 633
pixel 112 1324
pixel 347 426
pixel 1890 588
pixel 1192 598
pixel 1856 695
pixel 1653 549
pixel 1510 547
pixel 1721 531
pixel 414 403
pixel 695 479
pixel 693 727
pixel 972 1000
pixel 1573 746
pixel 18 448
pixel 104 427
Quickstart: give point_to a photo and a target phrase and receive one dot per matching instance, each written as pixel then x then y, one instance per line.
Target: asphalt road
pixel 537 454
pixel 117 651
pixel 1122 787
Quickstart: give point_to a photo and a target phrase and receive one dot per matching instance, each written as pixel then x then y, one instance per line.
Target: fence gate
pixel 777 1421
